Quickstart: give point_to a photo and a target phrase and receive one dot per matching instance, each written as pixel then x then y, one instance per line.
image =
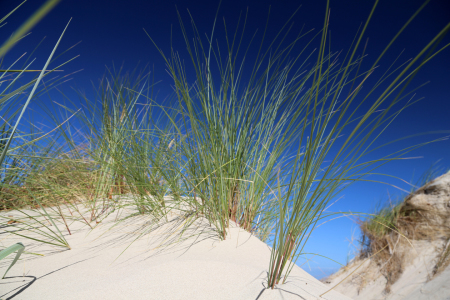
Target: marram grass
pixel 267 151
pixel 19 247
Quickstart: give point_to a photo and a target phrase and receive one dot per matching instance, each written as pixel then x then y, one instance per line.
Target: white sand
pixel 416 281
pixel 414 284
pixel 201 267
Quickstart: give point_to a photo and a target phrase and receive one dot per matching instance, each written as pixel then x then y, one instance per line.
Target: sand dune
pixel 156 266
pixel 423 262
pixel 368 284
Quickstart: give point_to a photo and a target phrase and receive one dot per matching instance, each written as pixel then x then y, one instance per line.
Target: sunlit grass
pixel 389 216
pixel 393 225
pixel 266 151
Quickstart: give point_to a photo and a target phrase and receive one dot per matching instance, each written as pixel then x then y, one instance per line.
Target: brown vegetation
pixel 422 215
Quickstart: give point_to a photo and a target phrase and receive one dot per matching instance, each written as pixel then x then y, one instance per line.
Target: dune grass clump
pixel 394 217
pixel 11 176
pixel 236 149
pixel 267 151
pixel 380 235
pixel 135 151
pixel 388 229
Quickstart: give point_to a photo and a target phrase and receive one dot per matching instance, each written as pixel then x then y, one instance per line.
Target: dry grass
pixel 231 143
pixel 393 226
pixel 58 183
pixel 443 259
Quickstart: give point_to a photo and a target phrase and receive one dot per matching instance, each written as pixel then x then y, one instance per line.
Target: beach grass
pixel 386 218
pixel 267 152
pixel 394 224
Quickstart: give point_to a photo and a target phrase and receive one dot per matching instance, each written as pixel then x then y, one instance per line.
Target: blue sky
pixel 112 32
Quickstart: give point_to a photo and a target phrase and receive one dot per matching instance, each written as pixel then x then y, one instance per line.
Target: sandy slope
pixel 154 267
pixel 368 284
pixel 433 202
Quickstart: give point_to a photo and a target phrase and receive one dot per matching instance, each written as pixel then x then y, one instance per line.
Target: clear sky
pixel 112 31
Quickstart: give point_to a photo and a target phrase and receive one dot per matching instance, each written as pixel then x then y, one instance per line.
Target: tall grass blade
pixel 19 247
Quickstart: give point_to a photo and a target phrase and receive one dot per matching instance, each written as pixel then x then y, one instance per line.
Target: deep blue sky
pixel 112 31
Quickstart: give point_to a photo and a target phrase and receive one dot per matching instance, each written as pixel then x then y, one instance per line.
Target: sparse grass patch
pixel 391 225
pixel 443 259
